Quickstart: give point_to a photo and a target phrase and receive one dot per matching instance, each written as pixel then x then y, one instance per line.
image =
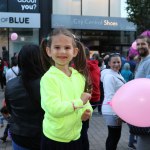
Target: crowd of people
pixel 52 90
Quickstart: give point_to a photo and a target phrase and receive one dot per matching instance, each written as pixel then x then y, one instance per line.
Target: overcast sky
pixel 123 9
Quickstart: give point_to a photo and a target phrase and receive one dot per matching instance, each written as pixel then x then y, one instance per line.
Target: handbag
pixel 139 130
pixel 14 72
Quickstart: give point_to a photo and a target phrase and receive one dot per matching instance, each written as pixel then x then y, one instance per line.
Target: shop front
pixel 103 34
pixel 22 19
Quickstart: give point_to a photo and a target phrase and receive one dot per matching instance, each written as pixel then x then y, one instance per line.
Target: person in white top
pixel 14 70
pixel 112 81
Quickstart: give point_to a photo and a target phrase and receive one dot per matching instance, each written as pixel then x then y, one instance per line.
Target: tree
pixel 139 13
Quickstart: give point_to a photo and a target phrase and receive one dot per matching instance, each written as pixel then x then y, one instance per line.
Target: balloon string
pixel 108 103
pixel 99 104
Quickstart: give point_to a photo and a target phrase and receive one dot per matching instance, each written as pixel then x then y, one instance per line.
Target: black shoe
pixel 131 147
pixel 135 141
pixel 100 112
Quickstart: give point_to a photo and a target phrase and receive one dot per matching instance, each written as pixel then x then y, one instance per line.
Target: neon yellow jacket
pixel 61 123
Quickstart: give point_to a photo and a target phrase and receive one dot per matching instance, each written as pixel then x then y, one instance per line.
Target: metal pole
pixel 108 8
pixel 81 7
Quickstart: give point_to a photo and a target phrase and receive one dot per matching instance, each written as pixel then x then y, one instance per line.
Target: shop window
pixel 24 36
pixel 3 39
pixel 67 7
pixel 95 8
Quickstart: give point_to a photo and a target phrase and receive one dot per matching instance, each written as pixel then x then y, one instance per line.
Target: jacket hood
pixel 54 70
pixel 110 72
pixel 92 64
pixel 104 72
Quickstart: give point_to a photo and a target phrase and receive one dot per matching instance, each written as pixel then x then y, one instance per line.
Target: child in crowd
pixel 126 72
pixel 2 117
pixel 6 116
pixel 64 93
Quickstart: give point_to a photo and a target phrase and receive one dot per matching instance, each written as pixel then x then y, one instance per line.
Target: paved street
pixel 97 134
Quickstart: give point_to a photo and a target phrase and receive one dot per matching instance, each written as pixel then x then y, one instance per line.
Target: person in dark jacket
pixel 94 72
pixel 23 98
pixel 2 82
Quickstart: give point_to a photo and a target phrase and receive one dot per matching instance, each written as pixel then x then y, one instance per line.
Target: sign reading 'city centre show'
pixel 92 22
pixel 23 6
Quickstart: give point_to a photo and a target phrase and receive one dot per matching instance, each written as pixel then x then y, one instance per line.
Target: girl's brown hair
pixel 44 57
pixel 79 61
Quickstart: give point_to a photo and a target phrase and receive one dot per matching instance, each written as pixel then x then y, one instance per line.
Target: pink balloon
pixel 146 33
pixel 134 45
pixel 133 52
pixel 14 36
pixel 132 102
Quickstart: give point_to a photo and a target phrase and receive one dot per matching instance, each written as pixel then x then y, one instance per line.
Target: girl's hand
pixel 85 97
pixel 86 115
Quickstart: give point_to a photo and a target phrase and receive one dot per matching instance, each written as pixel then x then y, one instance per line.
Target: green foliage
pixel 139 13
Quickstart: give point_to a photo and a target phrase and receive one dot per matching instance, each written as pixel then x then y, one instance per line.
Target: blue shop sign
pixel 92 23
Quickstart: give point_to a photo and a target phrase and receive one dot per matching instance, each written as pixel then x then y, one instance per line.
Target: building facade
pixel 98 23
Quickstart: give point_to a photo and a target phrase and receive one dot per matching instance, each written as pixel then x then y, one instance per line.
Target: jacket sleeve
pixel 109 87
pixel 7 102
pixel 51 99
pixel 87 106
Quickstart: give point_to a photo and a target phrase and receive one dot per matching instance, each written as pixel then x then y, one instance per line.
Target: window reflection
pixel 25 36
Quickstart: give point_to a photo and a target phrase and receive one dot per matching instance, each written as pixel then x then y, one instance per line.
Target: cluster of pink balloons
pixel 146 33
pixel 133 49
pixel 132 102
pixel 134 45
pixel 14 36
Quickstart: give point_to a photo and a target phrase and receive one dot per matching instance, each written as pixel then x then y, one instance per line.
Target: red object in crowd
pixel 94 72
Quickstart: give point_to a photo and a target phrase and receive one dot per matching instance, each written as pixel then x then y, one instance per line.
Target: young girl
pixel 64 95
pixel 112 81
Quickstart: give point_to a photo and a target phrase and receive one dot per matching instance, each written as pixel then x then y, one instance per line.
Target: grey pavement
pixel 97 133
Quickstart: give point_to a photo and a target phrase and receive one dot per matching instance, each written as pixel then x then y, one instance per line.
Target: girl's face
pixel 115 63
pixel 62 50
